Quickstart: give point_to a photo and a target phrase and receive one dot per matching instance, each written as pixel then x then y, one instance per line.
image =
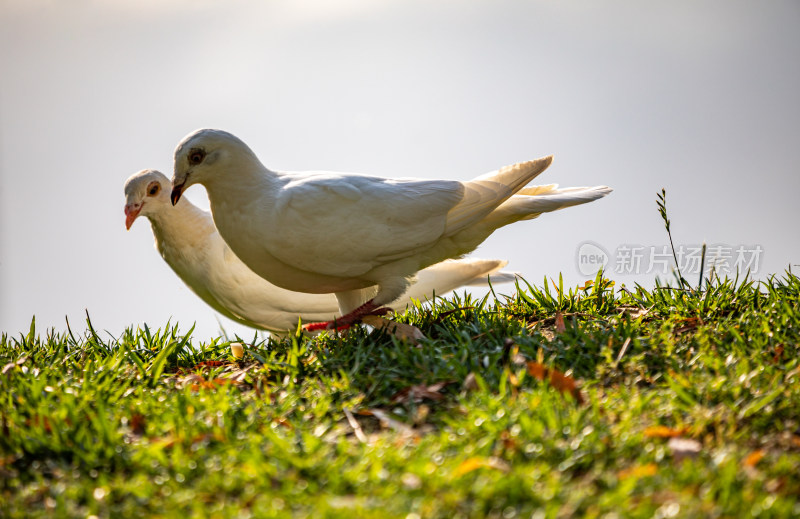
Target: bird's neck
pixel 181 227
pixel 252 180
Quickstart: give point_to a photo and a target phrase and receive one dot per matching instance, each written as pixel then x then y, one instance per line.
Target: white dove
pixel 186 238
pixel 322 232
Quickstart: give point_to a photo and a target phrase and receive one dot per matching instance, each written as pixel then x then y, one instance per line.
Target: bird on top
pixel 323 232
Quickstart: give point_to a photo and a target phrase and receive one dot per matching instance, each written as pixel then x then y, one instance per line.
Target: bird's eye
pixel 196 156
pixel 153 189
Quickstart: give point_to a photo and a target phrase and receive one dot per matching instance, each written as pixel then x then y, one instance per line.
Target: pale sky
pixel 699 97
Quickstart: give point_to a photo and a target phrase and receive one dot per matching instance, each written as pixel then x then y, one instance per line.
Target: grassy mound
pixel 596 402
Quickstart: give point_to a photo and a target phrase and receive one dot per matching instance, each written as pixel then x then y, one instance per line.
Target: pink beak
pixel 131 212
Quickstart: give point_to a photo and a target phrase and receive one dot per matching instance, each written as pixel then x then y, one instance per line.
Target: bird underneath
pixel 187 240
pixel 322 232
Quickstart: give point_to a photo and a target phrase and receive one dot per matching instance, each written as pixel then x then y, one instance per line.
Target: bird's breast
pixel 247 234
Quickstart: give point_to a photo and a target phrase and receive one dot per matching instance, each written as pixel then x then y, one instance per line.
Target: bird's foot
pixel 346 321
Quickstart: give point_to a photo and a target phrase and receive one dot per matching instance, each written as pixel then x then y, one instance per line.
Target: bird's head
pixel 146 193
pixel 203 156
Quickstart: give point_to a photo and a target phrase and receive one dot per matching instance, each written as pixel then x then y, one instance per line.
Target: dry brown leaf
pixel 560 326
pixel 634 312
pixel 419 392
pixel 137 423
pixel 557 379
pixel 550 336
pixel 689 323
pixel 191 378
pixel 387 421
pixel 638 471
pixel 470 382
pixel 283 422
pixel 421 414
pixel 777 353
pixel 402 331
pixel 509 442
pixel 39 421
pixel 355 426
pixel 236 377
pixel 661 431
pixel 753 458
pixel 210 364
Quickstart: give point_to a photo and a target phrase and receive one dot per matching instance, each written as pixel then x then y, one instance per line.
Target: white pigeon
pixel 324 232
pixel 186 238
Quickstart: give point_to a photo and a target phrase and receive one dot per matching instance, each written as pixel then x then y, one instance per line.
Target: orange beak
pixel 131 212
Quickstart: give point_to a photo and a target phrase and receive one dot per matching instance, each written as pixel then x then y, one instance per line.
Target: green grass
pixel 327 427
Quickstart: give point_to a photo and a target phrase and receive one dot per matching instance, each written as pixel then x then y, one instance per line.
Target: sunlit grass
pixel 137 425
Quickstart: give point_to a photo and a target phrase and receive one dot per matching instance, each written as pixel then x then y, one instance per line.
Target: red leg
pixel 347 320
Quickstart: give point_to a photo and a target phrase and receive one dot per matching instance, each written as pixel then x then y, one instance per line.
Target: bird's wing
pixel 483 194
pixel 346 225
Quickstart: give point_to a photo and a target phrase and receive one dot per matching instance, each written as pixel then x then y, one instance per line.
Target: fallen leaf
pixel 283 422
pixel 191 378
pixel 210 364
pixel 355 426
pixel 419 392
pixel 777 353
pixel 557 379
pixel 634 312
pixel 470 464
pixel 402 331
pixel 509 443
pixel 550 336
pixel 39 421
pixel 470 382
pixel 753 458
pixel 421 414
pixel 137 422
pixel 560 326
pixel 387 421
pixel 661 431
pixel 638 471
pixel 622 351
pixel 689 323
